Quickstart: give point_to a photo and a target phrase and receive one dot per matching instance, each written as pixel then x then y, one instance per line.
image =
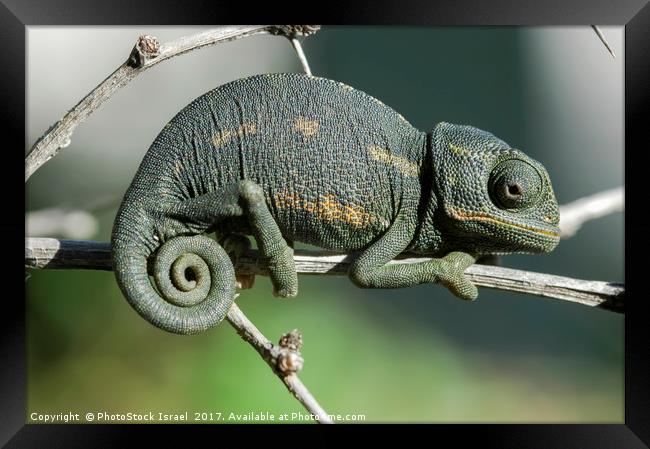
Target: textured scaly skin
pixel 291 157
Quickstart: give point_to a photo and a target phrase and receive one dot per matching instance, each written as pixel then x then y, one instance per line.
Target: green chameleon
pixel 293 157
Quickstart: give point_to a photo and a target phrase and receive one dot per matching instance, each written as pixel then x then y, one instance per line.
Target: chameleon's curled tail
pixel 194 280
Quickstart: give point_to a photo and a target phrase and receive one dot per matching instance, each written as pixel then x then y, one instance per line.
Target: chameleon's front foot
pixel 282 271
pixel 370 271
pixel 449 271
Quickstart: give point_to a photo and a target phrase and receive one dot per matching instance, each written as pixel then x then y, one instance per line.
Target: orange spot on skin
pixel 327 208
pixel 223 137
pixel 306 127
pixel 401 163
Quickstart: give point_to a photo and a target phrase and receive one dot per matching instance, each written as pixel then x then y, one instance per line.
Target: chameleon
pixel 289 157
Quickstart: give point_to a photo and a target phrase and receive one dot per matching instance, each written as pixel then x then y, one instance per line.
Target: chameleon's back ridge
pixel 291 157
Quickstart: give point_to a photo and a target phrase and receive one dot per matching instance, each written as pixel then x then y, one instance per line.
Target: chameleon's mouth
pixel 459 214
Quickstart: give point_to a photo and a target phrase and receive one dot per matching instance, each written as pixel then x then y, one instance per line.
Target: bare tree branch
pixel 53 253
pixel 146 53
pixel 301 55
pixel 284 359
pixel 574 214
pixel 601 36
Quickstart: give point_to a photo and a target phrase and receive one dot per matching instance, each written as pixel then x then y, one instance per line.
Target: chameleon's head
pixel 494 199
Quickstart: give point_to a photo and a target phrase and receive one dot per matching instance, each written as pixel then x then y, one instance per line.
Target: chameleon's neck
pixel 428 239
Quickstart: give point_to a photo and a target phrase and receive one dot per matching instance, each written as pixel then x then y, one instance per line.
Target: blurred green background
pixel 415 354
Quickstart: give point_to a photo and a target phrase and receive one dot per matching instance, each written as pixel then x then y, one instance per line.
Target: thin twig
pixel 283 359
pixel 53 253
pixel 574 214
pixel 146 53
pixel 601 36
pixel 295 43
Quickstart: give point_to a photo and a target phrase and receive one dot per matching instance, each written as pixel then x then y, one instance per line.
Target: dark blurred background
pixel 416 354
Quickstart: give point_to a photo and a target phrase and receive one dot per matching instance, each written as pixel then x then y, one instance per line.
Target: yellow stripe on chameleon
pixel 223 137
pixel 462 215
pixel 305 127
pixel 327 208
pixel 459 150
pixel 401 163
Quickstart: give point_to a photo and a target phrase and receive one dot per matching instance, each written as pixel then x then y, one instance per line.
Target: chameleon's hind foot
pixel 272 245
pixel 282 271
pixel 450 273
pixel 235 245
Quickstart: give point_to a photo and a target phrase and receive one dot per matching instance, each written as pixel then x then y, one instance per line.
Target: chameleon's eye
pixel 514 184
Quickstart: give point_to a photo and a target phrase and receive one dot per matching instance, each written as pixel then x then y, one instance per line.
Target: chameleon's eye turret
pixel 514 184
pixel 496 200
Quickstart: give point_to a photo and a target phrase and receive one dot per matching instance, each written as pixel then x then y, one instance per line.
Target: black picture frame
pixel 15 15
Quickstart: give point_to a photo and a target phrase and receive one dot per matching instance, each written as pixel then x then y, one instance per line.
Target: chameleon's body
pixel 289 157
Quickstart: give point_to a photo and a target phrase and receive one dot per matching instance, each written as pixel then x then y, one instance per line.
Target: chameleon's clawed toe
pixel 287 292
pixel 464 289
pixel 282 271
pixel 452 275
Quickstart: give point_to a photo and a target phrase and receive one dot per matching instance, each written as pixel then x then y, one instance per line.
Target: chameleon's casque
pixel 291 157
